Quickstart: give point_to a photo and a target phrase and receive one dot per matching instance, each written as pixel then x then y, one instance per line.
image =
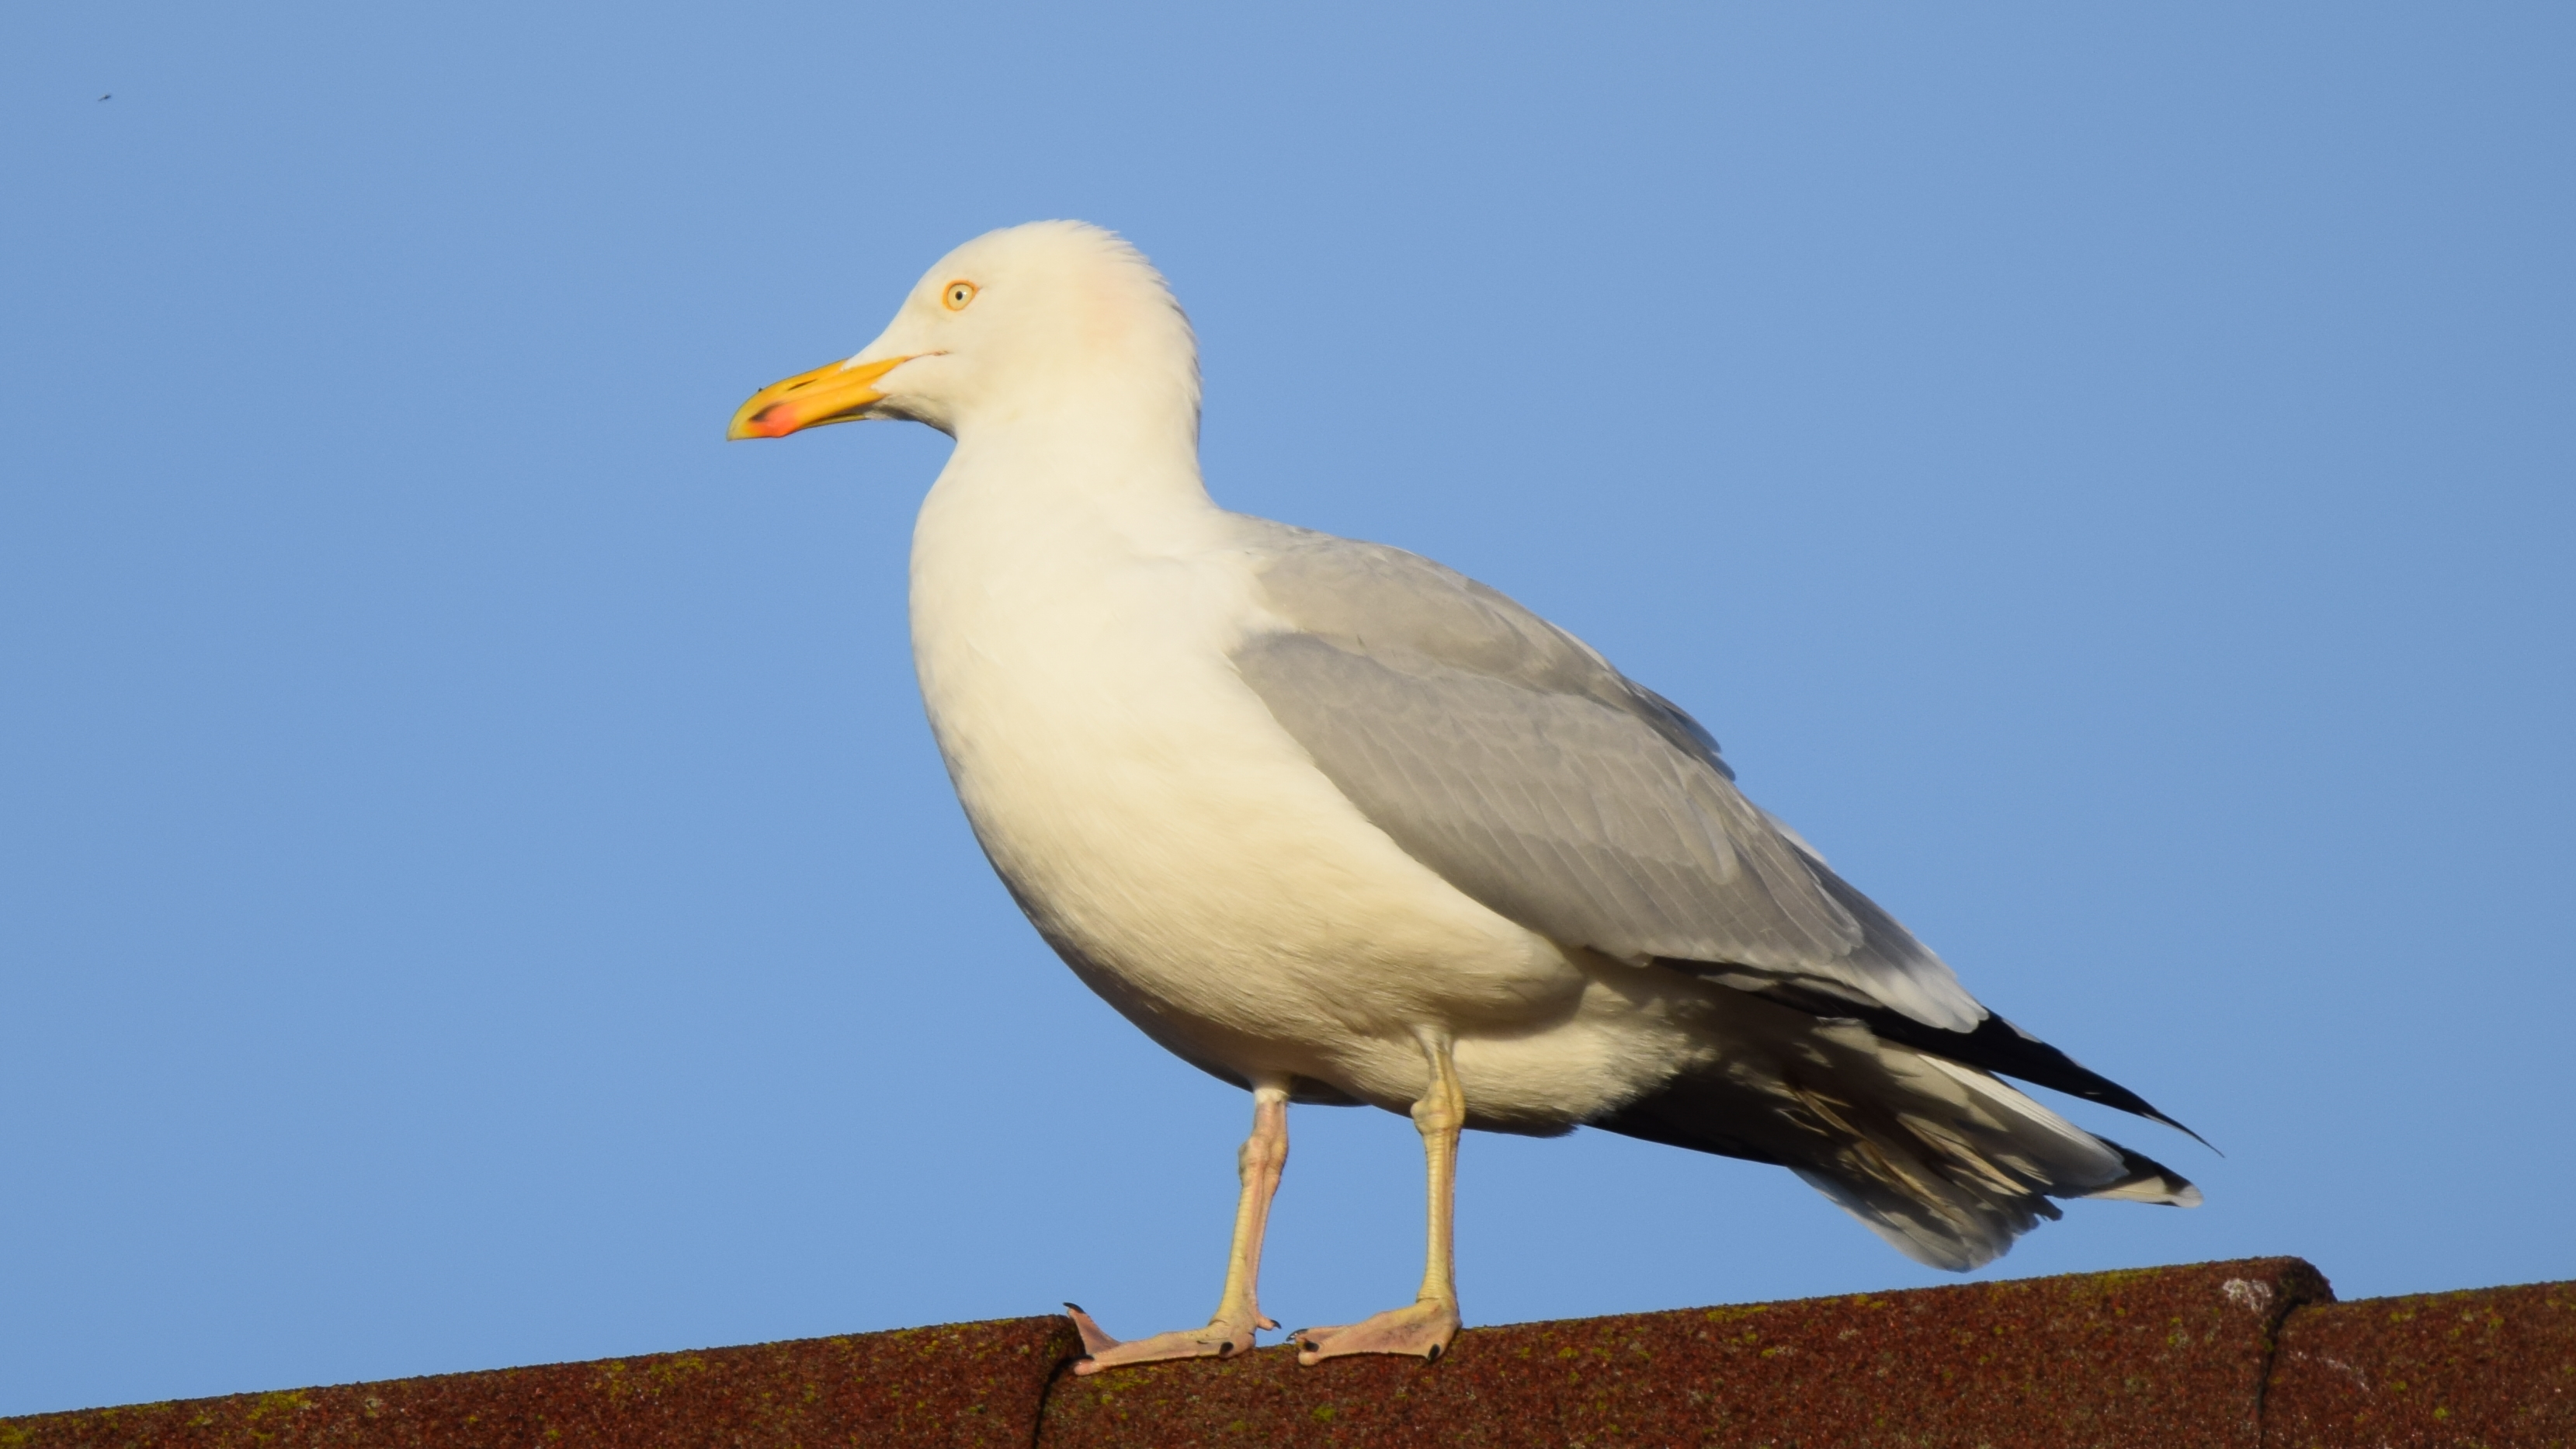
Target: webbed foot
pixel 1224 1337
pixel 1422 1329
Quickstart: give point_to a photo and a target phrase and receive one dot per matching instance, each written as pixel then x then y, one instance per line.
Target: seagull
pixel 1339 825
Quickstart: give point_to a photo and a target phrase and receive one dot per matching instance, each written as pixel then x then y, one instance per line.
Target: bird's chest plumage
pixel 1158 825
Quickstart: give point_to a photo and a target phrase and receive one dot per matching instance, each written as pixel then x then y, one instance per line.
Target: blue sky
pixel 476 888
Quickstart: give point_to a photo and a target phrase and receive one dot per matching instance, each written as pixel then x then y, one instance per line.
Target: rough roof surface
pixel 2496 1366
pixel 967 1384
pixel 2253 1353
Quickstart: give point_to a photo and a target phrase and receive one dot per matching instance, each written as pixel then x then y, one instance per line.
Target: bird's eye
pixel 958 295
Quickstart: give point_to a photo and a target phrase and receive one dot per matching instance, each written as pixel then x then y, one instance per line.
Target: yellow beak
pixel 833 393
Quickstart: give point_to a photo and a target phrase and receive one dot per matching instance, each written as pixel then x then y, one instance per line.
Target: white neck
pixel 1129 469
pixel 1055 556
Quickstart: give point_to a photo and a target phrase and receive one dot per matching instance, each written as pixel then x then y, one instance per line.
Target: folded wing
pixel 1509 757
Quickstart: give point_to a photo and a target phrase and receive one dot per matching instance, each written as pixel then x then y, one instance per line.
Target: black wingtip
pixel 2001 1047
pixel 1993 1045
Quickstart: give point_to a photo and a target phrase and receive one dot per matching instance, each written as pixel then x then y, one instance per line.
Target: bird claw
pixel 1422 1329
pixel 1220 1339
pixel 1094 1338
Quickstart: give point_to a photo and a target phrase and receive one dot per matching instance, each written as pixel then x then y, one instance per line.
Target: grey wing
pixel 1510 758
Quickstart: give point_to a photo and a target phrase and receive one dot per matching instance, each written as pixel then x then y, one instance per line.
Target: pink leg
pixel 1238 1309
pixel 1425 1326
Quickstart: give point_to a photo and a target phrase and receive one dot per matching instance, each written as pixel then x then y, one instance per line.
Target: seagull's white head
pixel 1029 321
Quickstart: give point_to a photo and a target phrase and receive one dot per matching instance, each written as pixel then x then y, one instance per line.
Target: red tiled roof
pixel 2253 1353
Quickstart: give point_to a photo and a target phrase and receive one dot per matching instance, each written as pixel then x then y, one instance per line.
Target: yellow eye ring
pixel 957 296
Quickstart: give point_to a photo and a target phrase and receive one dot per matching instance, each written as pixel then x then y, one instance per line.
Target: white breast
pixel 1153 818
